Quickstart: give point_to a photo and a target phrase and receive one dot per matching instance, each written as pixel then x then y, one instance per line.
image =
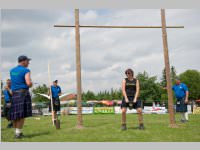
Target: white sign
pixel 85 110
pixel 154 110
pixel 189 107
pixel 119 111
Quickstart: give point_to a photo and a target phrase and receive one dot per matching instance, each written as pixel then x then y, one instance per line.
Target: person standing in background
pixel 7 97
pixel 181 92
pixel 55 92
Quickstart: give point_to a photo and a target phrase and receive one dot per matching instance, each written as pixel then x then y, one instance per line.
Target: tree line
pixel 151 89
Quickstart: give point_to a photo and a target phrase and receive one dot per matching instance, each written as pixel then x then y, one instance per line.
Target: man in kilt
pixel 7 97
pixel 181 93
pixel 21 105
pixel 55 93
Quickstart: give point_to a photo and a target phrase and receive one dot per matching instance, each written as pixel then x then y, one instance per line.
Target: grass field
pixel 100 128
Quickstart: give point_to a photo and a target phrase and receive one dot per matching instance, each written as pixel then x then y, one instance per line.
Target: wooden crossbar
pixel 95 26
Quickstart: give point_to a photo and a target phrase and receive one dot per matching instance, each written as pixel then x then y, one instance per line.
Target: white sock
pixel 182 116
pixel 186 115
pixel 18 131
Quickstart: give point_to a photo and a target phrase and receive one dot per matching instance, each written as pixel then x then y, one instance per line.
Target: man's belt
pixel 21 90
pixel 180 99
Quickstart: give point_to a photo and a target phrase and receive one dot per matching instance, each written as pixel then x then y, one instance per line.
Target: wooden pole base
pixel 79 127
pixel 173 126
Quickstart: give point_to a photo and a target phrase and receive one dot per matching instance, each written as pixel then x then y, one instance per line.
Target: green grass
pixel 100 128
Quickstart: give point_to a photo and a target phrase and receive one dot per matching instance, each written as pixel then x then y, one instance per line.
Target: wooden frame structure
pixel 77 27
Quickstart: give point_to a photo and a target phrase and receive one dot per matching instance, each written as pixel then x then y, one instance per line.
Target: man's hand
pixel 134 101
pixel 8 105
pixel 186 101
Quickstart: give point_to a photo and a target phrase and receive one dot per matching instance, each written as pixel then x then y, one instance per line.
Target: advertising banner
pixel 196 110
pixel 85 110
pixel 154 110
pixel 119 111
pixel 104 110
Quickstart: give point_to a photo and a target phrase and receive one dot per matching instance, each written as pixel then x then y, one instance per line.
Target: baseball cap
pixel 56 81
pixel 23 58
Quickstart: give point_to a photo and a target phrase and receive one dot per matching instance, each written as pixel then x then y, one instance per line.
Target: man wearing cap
pixel 181 92
pixel 21 105
pixel 7 97
pixel 55 92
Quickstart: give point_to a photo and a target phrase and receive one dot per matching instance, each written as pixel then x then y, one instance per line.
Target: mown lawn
pixel 105 128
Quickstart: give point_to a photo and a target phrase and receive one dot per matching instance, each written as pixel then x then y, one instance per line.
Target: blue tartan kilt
pixel 56 104
pixel 180 105
pixel 21 105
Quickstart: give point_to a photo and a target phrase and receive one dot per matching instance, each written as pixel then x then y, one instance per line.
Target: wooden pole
pixel 78 71
pixel 95 26
pixel 50 92
pixel 167 68
pixel 1 88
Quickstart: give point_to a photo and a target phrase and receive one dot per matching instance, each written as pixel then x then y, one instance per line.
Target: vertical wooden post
pixel 1 88
pixel 78 71
pixel 50 92
pixel 167 68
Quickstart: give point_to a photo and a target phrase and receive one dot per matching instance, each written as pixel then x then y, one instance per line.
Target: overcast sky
pixel 105 53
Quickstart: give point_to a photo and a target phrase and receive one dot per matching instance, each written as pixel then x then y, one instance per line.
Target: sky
pixel 105 53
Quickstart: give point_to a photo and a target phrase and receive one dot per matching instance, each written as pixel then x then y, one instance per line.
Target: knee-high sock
pixel 186 115
pixel 182 116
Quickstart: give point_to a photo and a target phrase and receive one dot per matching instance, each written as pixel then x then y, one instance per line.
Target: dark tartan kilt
pixel 180 105
pixel 21 105
pixel 6 111
pixel 56 104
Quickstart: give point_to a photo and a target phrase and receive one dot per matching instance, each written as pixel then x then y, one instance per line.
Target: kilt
pixel 137 105
pixel 180 105
pixel 56 104
pixel 21 105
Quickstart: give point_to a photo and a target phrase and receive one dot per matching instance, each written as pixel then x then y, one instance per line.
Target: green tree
pixel 40 89
pixel 149 88
pixel 192 79
pixel 163 83
pixel 172 74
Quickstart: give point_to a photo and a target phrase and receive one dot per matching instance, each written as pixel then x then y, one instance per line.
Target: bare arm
pixel 28 79
pixel 59 94
pixel 123 90
pixel 186 97
pixel 48 92
pixel 137 91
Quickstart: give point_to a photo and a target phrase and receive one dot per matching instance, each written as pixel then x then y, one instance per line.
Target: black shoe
pixel 18 136
pixel 183 121
pixel 21 134
pixel 123 127
pixel 141 127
